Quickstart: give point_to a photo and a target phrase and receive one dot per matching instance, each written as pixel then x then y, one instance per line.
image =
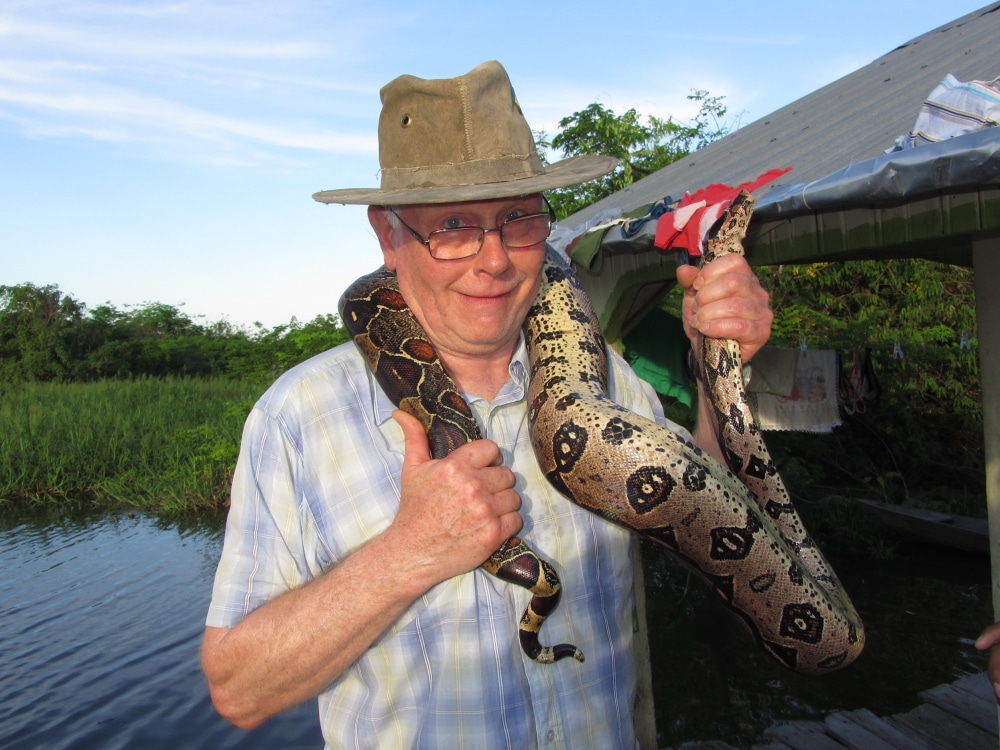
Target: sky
pixel 167 150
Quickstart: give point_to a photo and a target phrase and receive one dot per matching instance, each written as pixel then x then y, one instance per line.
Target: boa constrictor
pixel 737 529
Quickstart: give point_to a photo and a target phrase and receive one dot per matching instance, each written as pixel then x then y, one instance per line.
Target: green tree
pixel 36 324
pixel 48 336
pixel 642 143
pixel 284 346
pixel 921 442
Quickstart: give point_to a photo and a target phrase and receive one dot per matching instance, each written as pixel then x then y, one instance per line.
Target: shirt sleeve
pixel 261 556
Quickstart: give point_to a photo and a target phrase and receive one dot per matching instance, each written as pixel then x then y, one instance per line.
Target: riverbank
pixel 164 445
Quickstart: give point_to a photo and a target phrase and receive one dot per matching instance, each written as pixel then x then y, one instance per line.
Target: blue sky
pixel 166 150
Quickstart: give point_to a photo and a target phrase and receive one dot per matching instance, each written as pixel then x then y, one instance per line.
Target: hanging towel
pixel 952 109
pixel 773 371
pixel 812 404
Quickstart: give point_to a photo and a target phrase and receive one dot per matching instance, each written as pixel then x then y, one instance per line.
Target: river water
pixel 100 626
pixel 101 619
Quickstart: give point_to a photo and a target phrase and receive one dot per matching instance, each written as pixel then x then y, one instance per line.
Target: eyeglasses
pixel 464 242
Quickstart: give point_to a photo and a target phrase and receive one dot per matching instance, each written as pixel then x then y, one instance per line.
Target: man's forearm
pixel 290 649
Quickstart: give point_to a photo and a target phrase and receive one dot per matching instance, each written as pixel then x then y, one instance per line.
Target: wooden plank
pixel 961 532
pixel 965 705
pixel 944 730
pixel 804 735
pixel 977 685
pixel 863 730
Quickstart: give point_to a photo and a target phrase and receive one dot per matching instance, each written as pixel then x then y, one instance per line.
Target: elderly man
pixel 350 569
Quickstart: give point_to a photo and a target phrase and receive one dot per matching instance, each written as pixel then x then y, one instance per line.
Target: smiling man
pixel 350 569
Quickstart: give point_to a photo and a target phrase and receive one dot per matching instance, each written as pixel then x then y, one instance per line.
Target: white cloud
pixel 175 74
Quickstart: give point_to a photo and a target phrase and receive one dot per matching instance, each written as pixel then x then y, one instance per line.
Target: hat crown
pixel 460 139
pixel 454 131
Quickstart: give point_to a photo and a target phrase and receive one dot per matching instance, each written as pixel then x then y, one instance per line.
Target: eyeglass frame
pixel 426 242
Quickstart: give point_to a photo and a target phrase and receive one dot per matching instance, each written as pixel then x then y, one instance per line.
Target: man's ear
pixel 378 217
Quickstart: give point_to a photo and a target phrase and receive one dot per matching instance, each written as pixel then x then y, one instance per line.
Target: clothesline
pixel 901 347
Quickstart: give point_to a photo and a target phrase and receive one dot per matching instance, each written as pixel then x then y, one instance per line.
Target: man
pixel 351 562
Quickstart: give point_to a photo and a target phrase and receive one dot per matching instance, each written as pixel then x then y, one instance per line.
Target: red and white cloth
pixel 687 226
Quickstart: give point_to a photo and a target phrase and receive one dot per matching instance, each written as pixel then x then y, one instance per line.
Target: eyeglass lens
pixel 452 244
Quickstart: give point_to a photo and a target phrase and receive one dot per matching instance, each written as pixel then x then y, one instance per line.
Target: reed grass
pixel 166 445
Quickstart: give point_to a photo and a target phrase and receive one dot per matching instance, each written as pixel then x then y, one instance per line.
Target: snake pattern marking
pixel 736 528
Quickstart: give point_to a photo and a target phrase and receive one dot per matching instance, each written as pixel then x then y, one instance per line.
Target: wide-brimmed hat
pixel 460 139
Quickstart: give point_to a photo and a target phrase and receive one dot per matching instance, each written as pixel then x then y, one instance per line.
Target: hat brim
pixel 564 173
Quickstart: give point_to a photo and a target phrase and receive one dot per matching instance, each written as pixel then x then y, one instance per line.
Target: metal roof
pixel 850 122
pixel 856 117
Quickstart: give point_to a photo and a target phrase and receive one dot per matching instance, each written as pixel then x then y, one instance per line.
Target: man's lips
pixel 487 296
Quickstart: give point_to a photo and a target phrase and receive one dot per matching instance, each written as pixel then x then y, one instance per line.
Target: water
pixel 101 621
pixel 922 611
pixel 100 627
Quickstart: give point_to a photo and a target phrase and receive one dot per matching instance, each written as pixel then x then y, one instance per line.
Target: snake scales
pixel 737 529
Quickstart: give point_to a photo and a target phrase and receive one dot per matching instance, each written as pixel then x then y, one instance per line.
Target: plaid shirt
pixel 318 476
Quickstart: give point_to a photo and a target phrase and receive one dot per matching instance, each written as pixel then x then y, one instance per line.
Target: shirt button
pixel 550 735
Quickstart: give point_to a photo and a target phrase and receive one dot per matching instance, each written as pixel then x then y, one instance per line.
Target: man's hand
pixel 724 299
pixel 453 512
pixel 990 640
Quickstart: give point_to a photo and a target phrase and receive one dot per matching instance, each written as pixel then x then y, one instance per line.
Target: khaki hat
pixel 460 139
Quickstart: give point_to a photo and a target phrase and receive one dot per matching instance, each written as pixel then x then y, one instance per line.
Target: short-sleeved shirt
pixel 318 477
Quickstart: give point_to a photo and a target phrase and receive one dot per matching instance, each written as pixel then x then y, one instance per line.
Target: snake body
pixel 410 372
pixel 737 529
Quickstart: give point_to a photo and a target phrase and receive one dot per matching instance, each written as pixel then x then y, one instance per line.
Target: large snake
pixel 737 529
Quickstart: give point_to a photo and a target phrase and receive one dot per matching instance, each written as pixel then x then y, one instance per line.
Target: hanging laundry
pixel 952 109
pixel 811 406
pixel 632 226
pixel 686 227
pixel 860 389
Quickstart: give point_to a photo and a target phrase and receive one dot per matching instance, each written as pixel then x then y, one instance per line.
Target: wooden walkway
pixel 959 716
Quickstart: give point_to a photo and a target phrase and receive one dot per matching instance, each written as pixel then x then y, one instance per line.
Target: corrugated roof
pixel 852 119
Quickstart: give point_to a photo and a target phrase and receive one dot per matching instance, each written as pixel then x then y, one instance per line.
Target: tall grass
pixel 164 445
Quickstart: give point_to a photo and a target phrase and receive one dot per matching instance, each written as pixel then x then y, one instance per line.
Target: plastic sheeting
pixel 954 165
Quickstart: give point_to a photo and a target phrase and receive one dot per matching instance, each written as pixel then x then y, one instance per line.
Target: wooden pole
pixel 986 262
pixel 645 713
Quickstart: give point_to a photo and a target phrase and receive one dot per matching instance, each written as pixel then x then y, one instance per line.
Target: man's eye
pixel 453 223
pixel 516 213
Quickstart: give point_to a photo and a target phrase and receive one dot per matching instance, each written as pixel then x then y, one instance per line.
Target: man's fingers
pixel 989 637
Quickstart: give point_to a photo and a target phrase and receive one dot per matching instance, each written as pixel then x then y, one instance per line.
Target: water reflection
pixel 101 621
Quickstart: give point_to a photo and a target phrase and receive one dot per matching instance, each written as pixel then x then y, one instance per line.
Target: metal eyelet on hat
pixel 406 121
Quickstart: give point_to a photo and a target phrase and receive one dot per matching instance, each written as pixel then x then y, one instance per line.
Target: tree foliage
pixel 913 314
pixel 922 442
pixel 47 336
pixel 641 143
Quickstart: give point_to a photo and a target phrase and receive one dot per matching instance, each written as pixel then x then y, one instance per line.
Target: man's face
pixel 473 306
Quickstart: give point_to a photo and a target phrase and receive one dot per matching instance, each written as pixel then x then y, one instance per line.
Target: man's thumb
pixel 417 448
